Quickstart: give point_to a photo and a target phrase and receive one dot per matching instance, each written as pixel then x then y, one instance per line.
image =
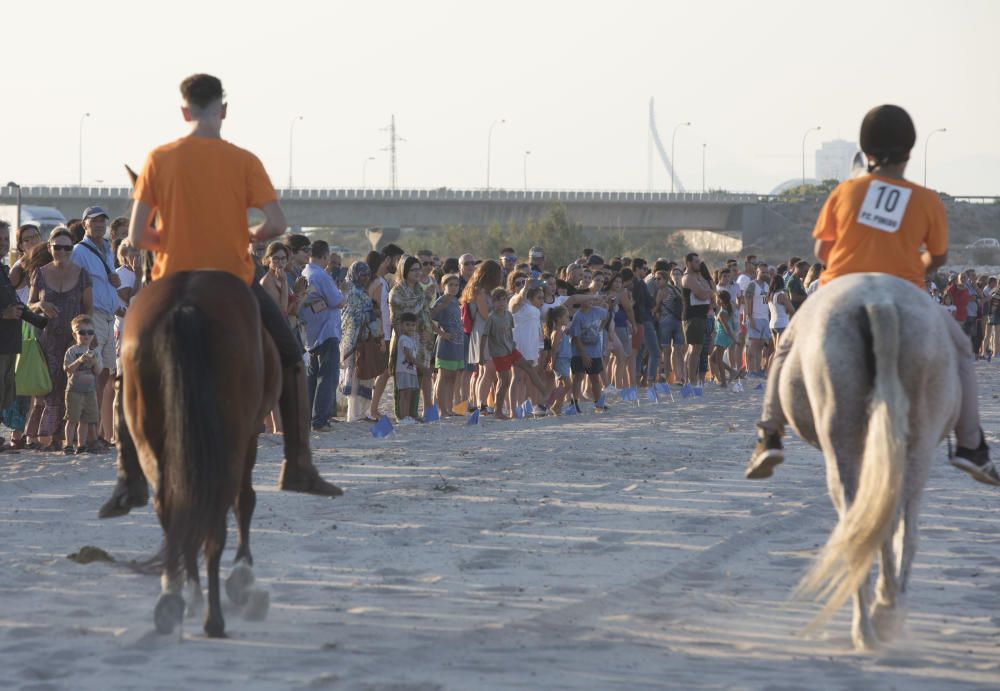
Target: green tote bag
pixel 31 373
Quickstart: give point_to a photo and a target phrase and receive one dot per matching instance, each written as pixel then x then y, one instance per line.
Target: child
pixel 499 332
pixel 585 330
pixel 556 323
pixel 526 306
pixel 82 366
pixel 406 364
pixel 450 350
pixel 726 330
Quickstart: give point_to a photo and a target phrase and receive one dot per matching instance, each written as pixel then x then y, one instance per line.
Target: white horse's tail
pixel 846 559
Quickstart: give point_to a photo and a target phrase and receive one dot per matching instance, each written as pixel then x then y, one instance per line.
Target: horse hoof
pixel 258 604
pixel 168 613
pixel 238 584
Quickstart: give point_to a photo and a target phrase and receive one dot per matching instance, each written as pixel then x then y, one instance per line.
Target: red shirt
pixel 960 299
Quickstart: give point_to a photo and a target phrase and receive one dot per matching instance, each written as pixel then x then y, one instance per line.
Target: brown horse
pixel 199 374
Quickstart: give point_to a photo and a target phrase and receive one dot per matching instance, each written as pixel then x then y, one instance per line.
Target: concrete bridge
pixel 430 209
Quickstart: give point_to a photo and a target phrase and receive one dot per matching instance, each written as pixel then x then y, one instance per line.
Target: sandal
pixel 68 450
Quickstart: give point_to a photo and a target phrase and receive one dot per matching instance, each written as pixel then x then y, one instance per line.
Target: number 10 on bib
pixel 884 206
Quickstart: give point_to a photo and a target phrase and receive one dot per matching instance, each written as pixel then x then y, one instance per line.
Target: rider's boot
pixel 298 474
pixel 976 462
pixel 131 489
pixel 767 454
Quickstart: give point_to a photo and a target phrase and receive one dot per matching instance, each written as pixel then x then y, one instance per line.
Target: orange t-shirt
pixel 202 189
pixel 879 224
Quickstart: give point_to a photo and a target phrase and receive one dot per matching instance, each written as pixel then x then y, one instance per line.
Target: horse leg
pixel 193 598
pixel 214 625
pixel 241 578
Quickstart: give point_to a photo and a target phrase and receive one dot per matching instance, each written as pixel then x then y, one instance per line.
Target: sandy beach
pixel 622 550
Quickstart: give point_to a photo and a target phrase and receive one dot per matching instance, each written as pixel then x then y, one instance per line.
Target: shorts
pixel 450 365
pixel 405 380
pixel 993 319
pixel 596 365
pixel 104 337
pixel 671 332
pixel 694 331
pixel 759 329
pixel 81 406
pixel 505 363
pixel 778 331
pixel 561 366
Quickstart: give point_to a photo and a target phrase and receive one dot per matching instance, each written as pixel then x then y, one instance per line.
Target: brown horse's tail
pixel 192 462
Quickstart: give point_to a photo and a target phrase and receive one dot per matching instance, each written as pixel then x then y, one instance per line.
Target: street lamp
pixel 489 149
pixel 817 128
pixel 364 171
pixel 79 180
pixel 673 161
pixel 291 141
pixel 525 169
pixel 926 142
pixel 704 146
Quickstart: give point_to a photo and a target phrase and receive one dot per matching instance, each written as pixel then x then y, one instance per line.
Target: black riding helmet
pixel 887 134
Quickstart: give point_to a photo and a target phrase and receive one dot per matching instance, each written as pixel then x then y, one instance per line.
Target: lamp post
pixel 704 146
pixel 364 172
pixel 79 179
pixel 673 161
pixel 525 169
pixel 926 142
pixel 489 149
pixel 817 128
pixel 291 142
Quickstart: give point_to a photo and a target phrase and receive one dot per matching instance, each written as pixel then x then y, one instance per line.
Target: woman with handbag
pixel 61 291
pixel 360 344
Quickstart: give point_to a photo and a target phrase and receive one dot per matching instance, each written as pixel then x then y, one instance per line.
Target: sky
pixel 572 80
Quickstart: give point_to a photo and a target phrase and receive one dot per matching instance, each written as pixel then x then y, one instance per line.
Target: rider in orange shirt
pixel 200 188
pixel 883 223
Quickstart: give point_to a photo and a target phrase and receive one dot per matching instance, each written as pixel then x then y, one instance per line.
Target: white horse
pixel 871 379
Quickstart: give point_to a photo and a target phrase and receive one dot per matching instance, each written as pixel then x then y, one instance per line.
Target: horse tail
pixel 193 455
pixel 846 559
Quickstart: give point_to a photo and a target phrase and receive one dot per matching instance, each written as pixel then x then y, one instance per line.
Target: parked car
pixel 984 243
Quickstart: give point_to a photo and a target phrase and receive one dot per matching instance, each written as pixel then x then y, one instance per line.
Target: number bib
pixel 884 206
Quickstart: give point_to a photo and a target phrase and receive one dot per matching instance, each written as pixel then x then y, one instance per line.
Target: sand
pixel 602 551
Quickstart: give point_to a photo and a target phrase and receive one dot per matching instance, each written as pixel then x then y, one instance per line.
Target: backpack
pixel 468 318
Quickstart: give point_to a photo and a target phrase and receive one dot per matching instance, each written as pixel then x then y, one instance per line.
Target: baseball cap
pixel 94 212
pixel 536 252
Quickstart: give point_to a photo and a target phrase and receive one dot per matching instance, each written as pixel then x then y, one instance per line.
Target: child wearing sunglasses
pixel 82 365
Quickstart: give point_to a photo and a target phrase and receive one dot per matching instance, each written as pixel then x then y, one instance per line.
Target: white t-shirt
pixel 23 291
pixel 402 366
pixel 760 308
pixel 559 300
pixel 127 277
pixel 742 281
pixel 528 330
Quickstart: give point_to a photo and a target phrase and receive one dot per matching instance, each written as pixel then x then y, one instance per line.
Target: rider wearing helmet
pixel 201 187
pixel 883 223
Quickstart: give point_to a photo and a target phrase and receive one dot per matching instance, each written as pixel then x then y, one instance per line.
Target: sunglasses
pixel 468 263
pixel 509 259
pixel 86 332
pixel 62 248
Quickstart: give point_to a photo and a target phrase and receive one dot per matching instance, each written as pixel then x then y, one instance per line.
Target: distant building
pixel 833 159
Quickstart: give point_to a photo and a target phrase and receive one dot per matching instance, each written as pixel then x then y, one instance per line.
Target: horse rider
pixel 201 187
pixel 879 223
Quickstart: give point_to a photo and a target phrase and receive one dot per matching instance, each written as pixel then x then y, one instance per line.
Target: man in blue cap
pixel 93 254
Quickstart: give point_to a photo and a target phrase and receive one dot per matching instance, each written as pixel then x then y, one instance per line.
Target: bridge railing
pixel 440 194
